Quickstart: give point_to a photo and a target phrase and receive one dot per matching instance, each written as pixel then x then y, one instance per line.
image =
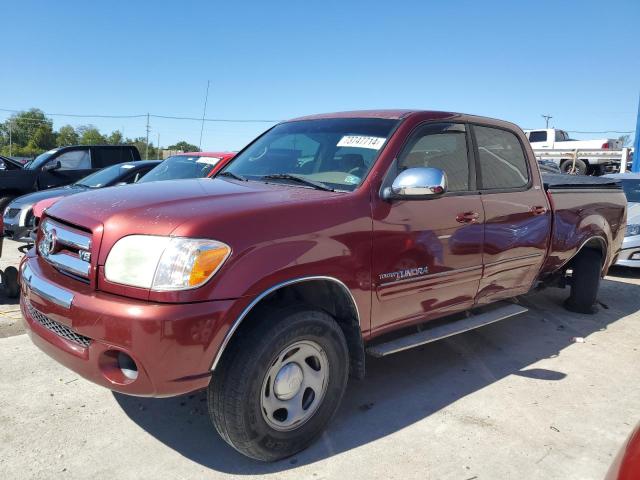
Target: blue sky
pixel 578 60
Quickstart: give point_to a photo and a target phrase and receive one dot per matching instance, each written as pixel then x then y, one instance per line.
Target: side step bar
pixel 505 310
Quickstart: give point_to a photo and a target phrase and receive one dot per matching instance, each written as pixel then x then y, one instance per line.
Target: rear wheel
pixel 585 281
pixel 580 167
pixel 280 383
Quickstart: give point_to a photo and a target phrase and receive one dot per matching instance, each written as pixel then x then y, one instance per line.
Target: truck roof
pixel 398 114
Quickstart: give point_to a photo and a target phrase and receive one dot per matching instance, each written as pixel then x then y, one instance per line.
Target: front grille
pixel 68 249
pixel 57 328
pixel 11 212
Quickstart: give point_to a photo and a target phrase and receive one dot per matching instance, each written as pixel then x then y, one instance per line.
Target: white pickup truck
pixel 587 162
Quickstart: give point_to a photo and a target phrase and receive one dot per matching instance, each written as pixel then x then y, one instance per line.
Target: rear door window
pixel 75 160
pixel 503 164
pixel 538 136
pixel 105 157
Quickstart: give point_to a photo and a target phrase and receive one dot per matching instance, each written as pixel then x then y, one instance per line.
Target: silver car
pixel 630 252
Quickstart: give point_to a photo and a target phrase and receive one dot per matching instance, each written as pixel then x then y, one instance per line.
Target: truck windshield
pixel 333 153
pixel 181 166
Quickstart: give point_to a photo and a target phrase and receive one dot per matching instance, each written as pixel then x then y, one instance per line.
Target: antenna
pixel 204 112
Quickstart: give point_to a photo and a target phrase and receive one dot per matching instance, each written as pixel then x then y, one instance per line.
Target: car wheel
pixel 4 201
pixel 585 281
pixel 280 383
pixel 580 167
pixel 10 280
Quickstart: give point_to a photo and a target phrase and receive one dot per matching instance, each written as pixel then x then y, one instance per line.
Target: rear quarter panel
pixel 580 215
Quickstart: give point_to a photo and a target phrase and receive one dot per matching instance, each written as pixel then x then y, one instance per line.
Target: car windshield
pixel 632 190
pixel 39 160
pixel 181 166
pixel 105 176
pixel 334 153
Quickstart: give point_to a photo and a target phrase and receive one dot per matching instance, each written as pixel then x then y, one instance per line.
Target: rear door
pixel 427 254
pixel 517 214
pixel 74 164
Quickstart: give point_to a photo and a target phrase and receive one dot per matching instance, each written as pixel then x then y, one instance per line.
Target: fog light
pixel 127 366
pixel 635 256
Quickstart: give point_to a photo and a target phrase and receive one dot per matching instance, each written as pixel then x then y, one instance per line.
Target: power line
pixel 169 117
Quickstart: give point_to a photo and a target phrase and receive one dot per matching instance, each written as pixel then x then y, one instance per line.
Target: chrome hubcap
pixel 294 385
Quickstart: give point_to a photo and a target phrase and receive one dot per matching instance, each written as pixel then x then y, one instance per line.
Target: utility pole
pixel 10 141
pixel 547 117
pixel 204 113
pixel 635 166
pixel 159 152
pixel 146 153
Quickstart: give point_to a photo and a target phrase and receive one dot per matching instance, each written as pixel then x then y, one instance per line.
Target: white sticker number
pixel 361 141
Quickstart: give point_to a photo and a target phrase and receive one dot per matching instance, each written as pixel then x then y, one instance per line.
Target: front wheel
pixel 280 383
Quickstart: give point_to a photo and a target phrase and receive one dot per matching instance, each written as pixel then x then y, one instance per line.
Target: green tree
pixel 115 138
pixel 90 135
pixel 183 147
pixel 67 135
pixel 31 133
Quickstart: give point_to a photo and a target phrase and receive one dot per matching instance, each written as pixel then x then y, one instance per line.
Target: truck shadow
pixel 404 388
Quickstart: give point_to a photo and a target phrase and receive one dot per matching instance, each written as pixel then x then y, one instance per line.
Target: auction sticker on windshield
pixel 361 141
pixel 208 160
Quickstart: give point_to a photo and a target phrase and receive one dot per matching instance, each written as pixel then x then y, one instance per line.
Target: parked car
pixel 61 166
pixel 180 166
pixel 19 218
pixel 553 139
pixel 189 165
pixel 629 255
pixel 7 163
pixel 626 465
pixel 327 237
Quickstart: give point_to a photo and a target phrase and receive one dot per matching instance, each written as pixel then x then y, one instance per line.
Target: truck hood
pixel 193 207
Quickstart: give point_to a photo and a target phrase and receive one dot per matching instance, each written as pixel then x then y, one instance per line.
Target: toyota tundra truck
pixel 326 239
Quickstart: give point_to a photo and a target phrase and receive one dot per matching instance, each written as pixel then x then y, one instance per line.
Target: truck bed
pixel 585 209
pixel 554 181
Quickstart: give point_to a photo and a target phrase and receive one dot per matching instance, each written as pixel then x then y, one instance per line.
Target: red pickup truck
pixel 326 238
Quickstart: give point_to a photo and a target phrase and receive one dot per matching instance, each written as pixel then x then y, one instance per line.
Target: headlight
pixel 164 263
pixel 632 229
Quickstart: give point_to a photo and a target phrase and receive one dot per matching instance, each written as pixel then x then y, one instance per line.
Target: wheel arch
pixel 597 243
pixel 323 292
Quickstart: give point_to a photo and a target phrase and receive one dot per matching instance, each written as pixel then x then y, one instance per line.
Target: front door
pixel 74 165
pixel 427 254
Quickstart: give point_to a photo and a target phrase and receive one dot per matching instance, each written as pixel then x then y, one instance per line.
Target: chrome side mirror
pixel 417 183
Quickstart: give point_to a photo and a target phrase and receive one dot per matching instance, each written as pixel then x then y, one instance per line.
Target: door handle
pixel 538 210
pixel 467 217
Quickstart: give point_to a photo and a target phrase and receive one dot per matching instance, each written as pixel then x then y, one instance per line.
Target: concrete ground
pixel 524 398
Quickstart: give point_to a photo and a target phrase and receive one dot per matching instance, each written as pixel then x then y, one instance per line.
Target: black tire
pixel 236 388
pixel 580 167
pixel 585 282
pixel 4 201
pixel 10 279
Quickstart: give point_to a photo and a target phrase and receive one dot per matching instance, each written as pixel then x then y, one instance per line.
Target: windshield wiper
pixel 227 173
pixel 301 180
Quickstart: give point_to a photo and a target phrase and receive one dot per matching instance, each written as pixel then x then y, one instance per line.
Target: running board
pixel 506 310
